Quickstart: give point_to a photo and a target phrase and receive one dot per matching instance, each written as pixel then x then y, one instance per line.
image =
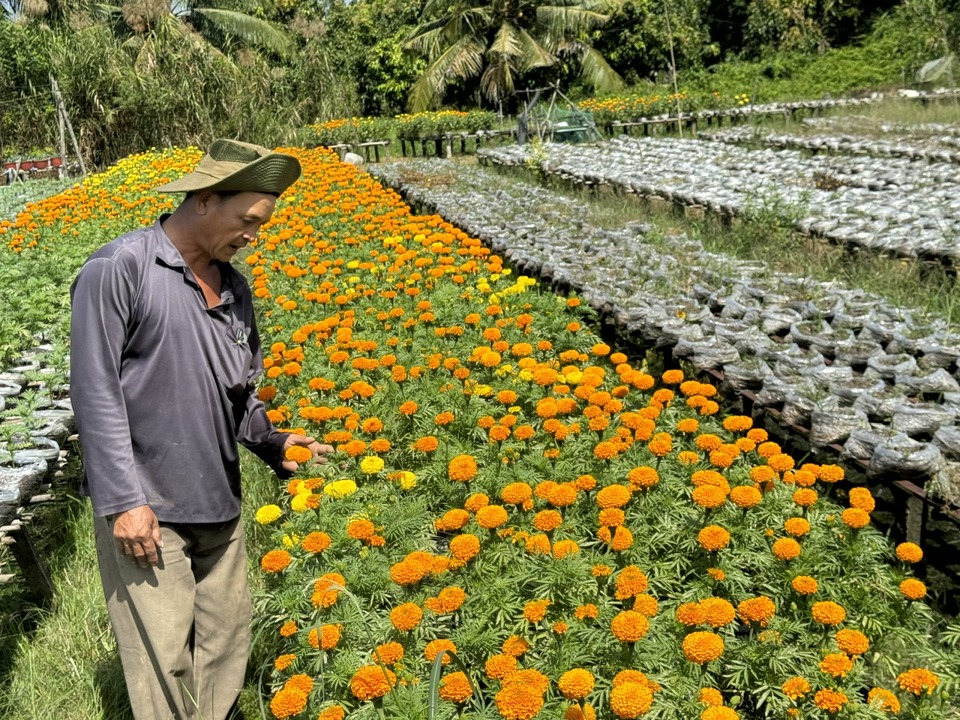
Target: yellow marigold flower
pixel 909 552
pixel 759 610
pixel 786 549
pixel 629 626
pixel 804 585
pixel 275 561
pixel 630 700
pixel 406 617
pixel 795 688
pixel 713 538
pixel 340 488
pixel 882 699
pixel 455 688
pixel 710 696
pixel 518 702
pixel 828 613
pixel 918 681
pixel 855 518
pixel 796 526
pixel 861 497
pixel 830 700
pixel 852 642
pixel 576 684
pixel 613 496
pixel 371 682
pixel 836 664
pixel 913 589
pixel 371 465
pixel 268 514
pixel 717 612
pixel 745 496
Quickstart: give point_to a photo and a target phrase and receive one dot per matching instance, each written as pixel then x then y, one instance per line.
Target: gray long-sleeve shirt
pixel 163 386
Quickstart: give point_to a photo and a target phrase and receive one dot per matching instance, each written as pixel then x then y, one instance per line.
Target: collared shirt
pixel 163 386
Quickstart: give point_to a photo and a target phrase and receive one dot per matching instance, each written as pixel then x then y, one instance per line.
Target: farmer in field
pixel 164 354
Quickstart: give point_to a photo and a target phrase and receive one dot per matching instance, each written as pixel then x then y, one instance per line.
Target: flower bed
pixel 591 537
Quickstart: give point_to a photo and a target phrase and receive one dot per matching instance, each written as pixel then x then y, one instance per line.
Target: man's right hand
pixel 137 532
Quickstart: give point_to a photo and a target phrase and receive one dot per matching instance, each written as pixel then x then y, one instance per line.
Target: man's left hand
pixel 317 450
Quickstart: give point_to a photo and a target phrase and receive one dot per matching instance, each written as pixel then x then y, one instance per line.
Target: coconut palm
pixel 501 40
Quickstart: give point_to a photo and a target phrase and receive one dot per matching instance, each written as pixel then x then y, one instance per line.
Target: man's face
pixel 231 223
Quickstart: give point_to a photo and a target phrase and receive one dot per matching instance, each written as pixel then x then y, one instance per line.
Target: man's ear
pixel 202 201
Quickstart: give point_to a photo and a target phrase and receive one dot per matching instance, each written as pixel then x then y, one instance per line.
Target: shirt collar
pixel 168 254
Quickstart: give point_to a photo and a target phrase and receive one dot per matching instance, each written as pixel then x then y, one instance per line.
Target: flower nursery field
pixel 520 520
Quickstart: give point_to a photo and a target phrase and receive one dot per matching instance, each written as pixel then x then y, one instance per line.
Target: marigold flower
pixel 284 661
pixel 855 518
pixel 455 688
pixel 710 696
pixel 500 666
pixel 796 526
pixel 406 617
pixel 795 688
pixel 426 444
pixel 535 610
pixel 435 647
pixel 918 681
pixel 340 488
pixel 613 496
pixel 371 682
pixel 288 629
pixel 836 664
pixel 852 642
pixel 909 552
pixel 759 610
pixel 465 547
pixel 327 637
pixel 334 712
pixel 805 497
pixel 575 713
pixel 709 496
pixel 371 465
pixel 745 496
pixel 804 585
pixel 646 605
pixel 490 517
pixel 830 700
pixel 786 549
pixel 288 702
pixel 518 702
pixel 630 700
pixel 268 514
pixel 643 477
pixel 719 712
pixel 360 529
pixel 717 612
pixel 622 539
pixel 629 626
pixel 547 520
pixel 516 493
pixel 713 538
pixel 453 519
pixel 298 454
pixel 913 589
pixel 563 495
pixel 476 501
pixel 389 653
pixel 861 498
pixel 576 684
pixel 275 561
pixel 828 613
pixel 462 468
pixel 882 699
pixel 630 581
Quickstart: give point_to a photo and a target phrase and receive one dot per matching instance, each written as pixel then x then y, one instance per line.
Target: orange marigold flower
pixel 535 610
pixel 717 574
pixel 515 645
pixel 406 617
pixel 713 538
pixel 298 454
pixel 284 661
pixel 709 496
pixel 622 539
pixel 852 642
pixel 327 637
pixel 275 561
pixel 465 547
pixel 719 712
pixel 408 408
pixel 631 581
pixel 453 519
pixel 737 423
pixel 326 589
pixel 576 684
pixel 455 688
pixel 646 605
pixel 643 477
pixel 689 613
pixel 830 700
pixel 518 702
pixel 575 713
pixel 516 493
pixel 759 610
pixel 918 681
pixel 909 552
pixel 883 700
pixel 804 584
pixel 563 495
pixel 426 444
pixel 913 589
pixel 611 517
pixel 500 666
pixel 476 501
pixel 490 517
pixel 371 682
pixel 708 442
pixel 831 473
pixel 547 520
pixel 702 647
pixel 855 518
pixel 585 612
pixel 613 496
pixel 828 612
pixel 861 498
pixel 805 497
pixel 672 377
pixel 462 468
pixel 435 647
pixel 288 702
pixel 629 626
pixel 360 529
pixel 795 688
pixel 630 700
pixel 710 696
pixel 786 549
pixel 288 629
pixel 836 664
pixel 389 653
pixel 745 496
pixel 796 526
pixel 717 612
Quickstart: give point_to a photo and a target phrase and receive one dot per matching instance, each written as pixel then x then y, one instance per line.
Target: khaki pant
pixel 182 627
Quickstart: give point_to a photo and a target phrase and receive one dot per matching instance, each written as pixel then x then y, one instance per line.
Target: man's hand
pixel 316 449
pixel 137 533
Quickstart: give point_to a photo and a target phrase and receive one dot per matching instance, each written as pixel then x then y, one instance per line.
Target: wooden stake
pixel 65 119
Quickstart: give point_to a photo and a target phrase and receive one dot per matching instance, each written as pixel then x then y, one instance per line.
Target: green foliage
pixel 432 124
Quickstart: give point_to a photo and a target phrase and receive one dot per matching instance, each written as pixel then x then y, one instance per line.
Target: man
pixel 164 355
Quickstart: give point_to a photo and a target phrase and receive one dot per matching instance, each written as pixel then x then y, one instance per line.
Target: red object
pixel 26 165
pixel 9 165
pixel 56 161
pixel 41 164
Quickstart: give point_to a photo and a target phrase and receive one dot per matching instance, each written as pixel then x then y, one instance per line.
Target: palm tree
pixel 501 40
pixel 195 22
